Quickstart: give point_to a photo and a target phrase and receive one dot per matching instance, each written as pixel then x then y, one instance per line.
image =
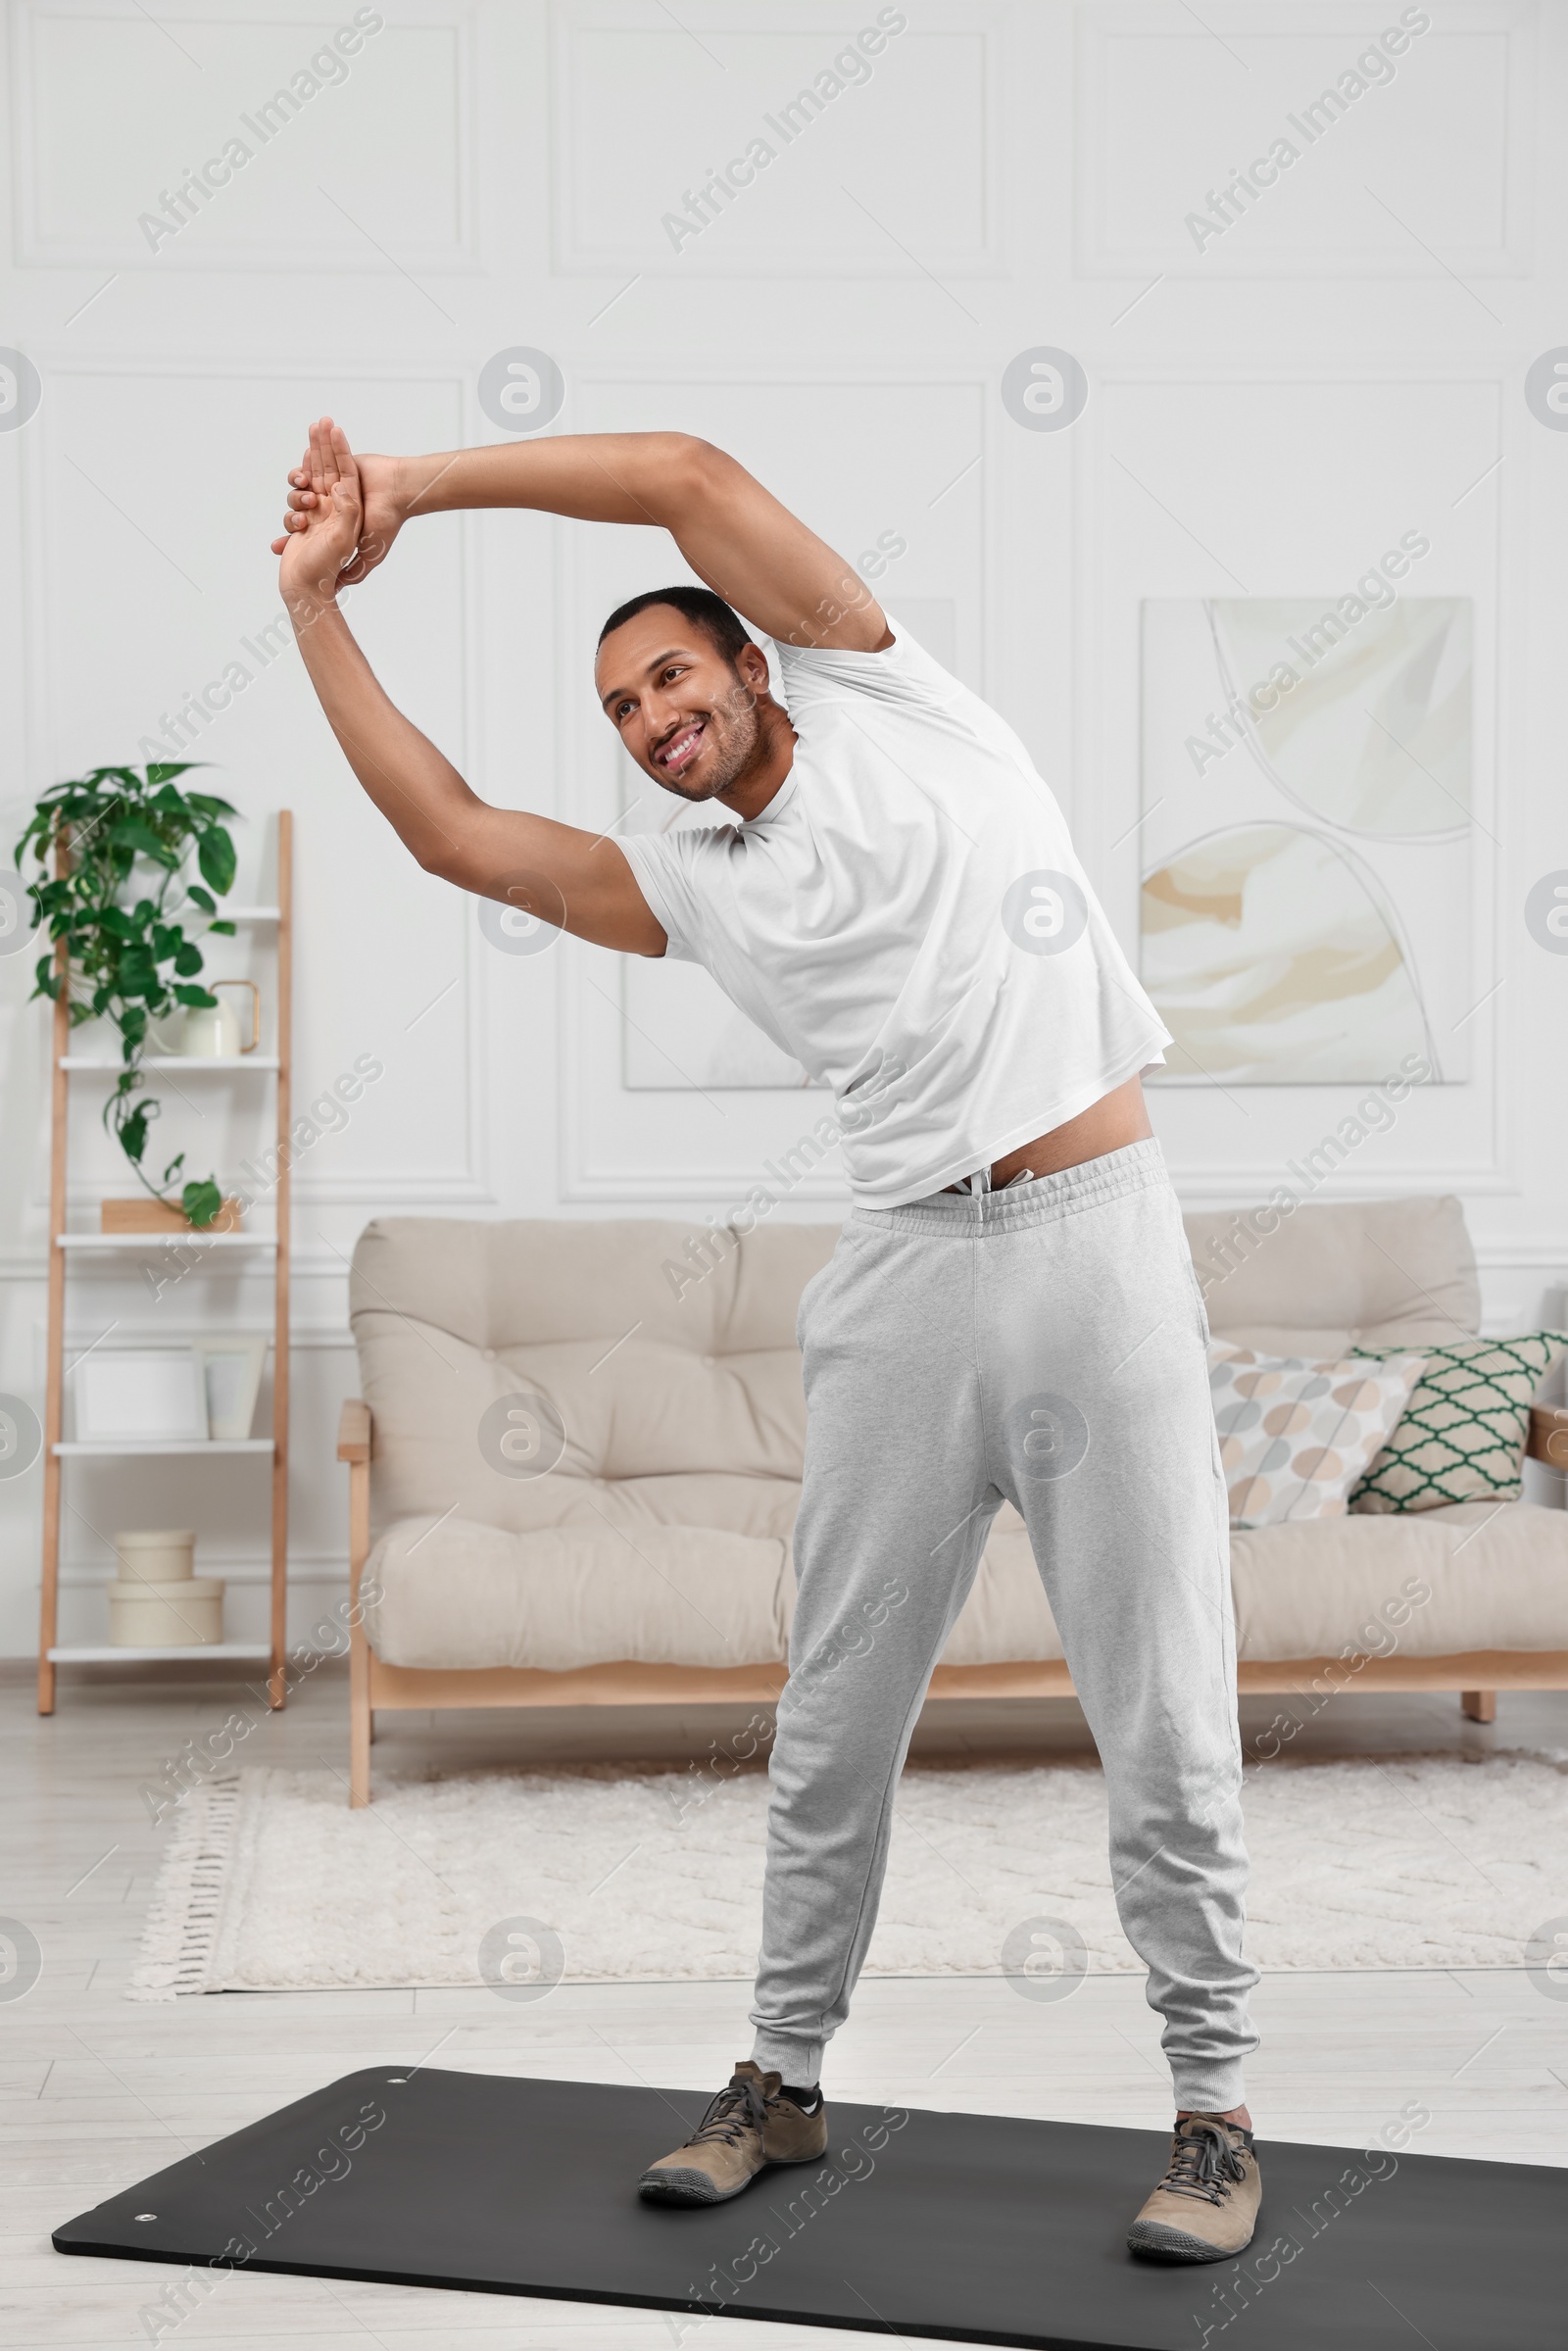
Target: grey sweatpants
pixel 1042 1343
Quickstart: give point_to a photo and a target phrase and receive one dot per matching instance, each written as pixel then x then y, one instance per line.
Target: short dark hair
pixel 718 620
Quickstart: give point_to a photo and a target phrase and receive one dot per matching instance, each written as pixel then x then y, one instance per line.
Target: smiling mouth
pixel 678 755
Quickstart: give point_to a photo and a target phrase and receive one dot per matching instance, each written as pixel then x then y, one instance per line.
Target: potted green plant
pixel 119 895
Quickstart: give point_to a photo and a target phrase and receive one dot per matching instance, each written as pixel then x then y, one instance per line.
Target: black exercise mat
pixel 974 2228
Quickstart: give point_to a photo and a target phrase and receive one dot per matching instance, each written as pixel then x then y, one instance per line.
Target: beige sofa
pixel 651 1560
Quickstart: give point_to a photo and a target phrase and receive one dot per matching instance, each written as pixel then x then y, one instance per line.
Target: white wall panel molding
pixel 149 1331
pixel 1430 167
pixel 647 110
pixel 312 1263
pixel 1235 1186
pixel 1211 1188
pixel 372 173
pixel 304 1568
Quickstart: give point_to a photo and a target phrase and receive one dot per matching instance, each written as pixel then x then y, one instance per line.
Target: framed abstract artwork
pixel 1306 780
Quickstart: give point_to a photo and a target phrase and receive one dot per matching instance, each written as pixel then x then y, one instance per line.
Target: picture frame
pixel 141 1394
pixel 1307 915
pixel 232 1379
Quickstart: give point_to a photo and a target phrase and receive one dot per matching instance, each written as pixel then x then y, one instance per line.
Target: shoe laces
pixel 1205 2162
pixel 737 2109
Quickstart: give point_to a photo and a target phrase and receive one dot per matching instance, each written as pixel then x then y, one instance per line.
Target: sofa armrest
pixel 1548 1435
pixel 353 1430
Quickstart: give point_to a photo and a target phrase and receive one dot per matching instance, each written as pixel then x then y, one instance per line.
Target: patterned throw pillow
pixel 1462 1438
pixel 1295 1436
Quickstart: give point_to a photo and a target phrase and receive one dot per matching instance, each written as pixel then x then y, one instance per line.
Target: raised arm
pixel 735 535
pixel 576 880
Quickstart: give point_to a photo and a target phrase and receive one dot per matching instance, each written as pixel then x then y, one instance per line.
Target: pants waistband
pixel 1046 1199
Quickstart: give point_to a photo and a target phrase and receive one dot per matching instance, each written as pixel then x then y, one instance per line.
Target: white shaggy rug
pixel 646 1874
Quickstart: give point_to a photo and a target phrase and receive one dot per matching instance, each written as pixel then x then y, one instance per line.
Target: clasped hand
pixel 343 514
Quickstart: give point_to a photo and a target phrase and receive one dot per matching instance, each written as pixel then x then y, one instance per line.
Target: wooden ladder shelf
pixel 50 1651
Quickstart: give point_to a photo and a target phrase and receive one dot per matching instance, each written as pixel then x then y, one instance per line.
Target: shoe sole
pixel 1156 2241
pixel 696 2188
pixel 686 2187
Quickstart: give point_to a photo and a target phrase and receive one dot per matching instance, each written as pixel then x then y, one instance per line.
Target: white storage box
pixel 160 1557
pixel 186 1612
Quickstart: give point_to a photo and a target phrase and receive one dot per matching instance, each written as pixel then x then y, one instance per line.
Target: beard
pixel 733 743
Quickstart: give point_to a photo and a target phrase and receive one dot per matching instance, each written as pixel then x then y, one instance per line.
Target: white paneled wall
pixel 1282 382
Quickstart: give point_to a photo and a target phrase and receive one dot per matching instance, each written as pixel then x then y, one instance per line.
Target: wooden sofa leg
pixel 354 1445
pixel 361 1715
pixel 359 1748
pixel 1481 1706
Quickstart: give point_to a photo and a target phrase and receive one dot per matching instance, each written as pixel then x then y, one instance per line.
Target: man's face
pixel 687 714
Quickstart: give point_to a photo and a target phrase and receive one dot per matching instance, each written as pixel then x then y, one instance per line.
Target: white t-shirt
pixel 907 919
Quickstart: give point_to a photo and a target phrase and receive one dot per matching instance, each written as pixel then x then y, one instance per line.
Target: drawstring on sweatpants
pixel 978 1187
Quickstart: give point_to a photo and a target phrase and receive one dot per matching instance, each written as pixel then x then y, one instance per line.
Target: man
pixel 1011 1310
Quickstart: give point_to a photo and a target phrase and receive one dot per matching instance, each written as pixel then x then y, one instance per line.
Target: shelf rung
pixel 131 1447
pixel 88 1653
pixel 166 1241
pixel 86 1061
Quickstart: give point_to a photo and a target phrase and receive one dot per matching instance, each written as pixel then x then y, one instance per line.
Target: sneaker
pixel 747 2127
pixel 1205 2208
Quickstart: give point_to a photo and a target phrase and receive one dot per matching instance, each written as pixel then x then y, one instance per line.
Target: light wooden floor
pixel 96 2091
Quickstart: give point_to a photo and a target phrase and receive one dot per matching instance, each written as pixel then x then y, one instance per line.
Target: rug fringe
pixel 183 1915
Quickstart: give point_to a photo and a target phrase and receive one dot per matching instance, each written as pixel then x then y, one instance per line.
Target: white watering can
pixel 211 1032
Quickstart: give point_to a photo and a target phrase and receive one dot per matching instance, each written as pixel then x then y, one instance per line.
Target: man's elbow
pixel 687 471
pixel 444 861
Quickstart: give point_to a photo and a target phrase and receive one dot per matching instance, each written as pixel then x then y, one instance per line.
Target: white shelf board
pixel 249 913
pixel 103 1652
pixel 175 1061
pixel 165 1239
pixel 169 1444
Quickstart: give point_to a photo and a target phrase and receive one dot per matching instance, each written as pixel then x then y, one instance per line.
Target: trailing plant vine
pixel 130 957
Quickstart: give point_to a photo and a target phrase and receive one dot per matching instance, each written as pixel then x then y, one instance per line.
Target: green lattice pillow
pixel 1461 1436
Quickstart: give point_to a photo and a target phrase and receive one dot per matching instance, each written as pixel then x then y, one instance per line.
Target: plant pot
pixel 163 1556
pixel 187 1614
pixel 148 1215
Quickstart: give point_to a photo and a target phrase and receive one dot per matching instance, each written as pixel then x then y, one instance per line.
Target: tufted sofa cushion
pixel 1334 1274
pixel 575 1595
pixel 679 1410
pixel 1497 1576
